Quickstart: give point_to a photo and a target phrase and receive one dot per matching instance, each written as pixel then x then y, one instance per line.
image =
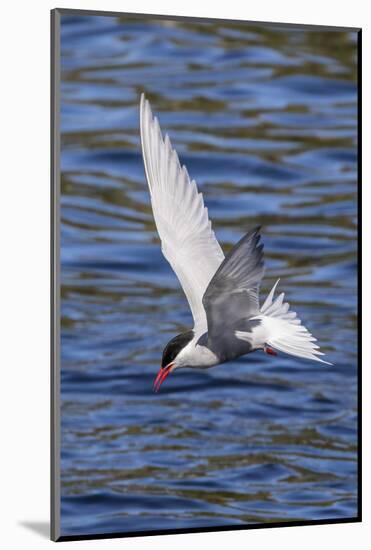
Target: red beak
pixel 162 374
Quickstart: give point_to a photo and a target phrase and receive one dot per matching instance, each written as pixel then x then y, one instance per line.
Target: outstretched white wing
pixel 187 240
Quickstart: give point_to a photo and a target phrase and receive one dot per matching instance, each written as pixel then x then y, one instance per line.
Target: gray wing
pixel 233 292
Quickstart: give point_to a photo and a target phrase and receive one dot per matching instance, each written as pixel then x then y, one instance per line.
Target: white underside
pixel 194 355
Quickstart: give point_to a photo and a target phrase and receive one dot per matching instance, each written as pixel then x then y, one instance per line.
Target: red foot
pixel 270 351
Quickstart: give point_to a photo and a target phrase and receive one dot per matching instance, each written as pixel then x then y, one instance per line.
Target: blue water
pixel 265 120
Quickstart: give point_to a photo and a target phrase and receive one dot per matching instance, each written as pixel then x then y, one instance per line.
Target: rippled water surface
pixel 265 120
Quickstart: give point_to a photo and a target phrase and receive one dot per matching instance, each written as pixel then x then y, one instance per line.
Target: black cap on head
pixel 172 349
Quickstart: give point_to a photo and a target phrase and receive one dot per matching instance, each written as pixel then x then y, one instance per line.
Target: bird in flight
pixel 222 291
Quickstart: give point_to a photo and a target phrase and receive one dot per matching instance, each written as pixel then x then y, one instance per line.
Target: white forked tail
pixel 284 331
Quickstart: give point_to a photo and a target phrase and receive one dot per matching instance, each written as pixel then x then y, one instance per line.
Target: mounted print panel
pixel 205 184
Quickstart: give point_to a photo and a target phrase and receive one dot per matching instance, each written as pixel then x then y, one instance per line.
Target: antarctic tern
pixel 222 291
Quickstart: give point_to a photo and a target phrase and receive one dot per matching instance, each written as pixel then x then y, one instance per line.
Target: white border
pixel 25 267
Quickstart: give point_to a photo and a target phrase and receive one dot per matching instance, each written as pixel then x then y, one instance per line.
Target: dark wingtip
pixel 255 230
pixel 255 233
